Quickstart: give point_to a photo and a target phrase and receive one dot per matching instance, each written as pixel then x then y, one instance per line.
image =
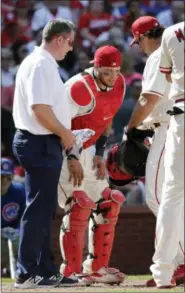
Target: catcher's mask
pixel 131 157
pixel 116 176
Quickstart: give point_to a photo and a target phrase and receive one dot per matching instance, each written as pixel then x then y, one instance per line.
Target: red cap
pixel 142 25
pixel 107 56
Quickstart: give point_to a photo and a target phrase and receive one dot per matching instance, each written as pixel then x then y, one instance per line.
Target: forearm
pixel 143 108
pixel 47 118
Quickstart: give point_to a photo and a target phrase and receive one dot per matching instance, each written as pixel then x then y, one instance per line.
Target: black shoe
pixel 62 281
pixel 28 282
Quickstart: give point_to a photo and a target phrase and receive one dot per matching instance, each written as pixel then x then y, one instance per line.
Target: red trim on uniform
pixel 181 248
pixel 156 93
pixel 180 100
pixel 165 70
pixel 157 173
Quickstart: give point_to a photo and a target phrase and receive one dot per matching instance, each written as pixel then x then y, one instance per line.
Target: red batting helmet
pixel 116 176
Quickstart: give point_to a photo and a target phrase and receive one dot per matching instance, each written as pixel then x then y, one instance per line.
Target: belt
pixel 180 100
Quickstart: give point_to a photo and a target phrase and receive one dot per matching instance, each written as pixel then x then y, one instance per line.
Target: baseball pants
pixel 41 156
pixel 155 179
pixel 90 184
pixel 169 230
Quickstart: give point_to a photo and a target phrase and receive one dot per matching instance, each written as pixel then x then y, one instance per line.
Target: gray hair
pixel 57 27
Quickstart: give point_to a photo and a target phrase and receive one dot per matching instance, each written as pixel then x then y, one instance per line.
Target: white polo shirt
pixel 38 82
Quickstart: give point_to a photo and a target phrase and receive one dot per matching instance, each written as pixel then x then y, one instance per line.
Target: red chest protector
pixel 106 104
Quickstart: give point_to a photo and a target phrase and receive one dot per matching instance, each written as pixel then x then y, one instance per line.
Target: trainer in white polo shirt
pixel 38 82
pixel 42 118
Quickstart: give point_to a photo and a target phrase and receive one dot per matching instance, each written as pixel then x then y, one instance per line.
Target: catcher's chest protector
pixel 106 104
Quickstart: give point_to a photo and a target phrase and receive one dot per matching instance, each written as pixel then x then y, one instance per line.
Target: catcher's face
pixel 107 75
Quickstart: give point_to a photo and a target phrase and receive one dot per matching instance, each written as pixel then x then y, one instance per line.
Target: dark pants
pixel 41 156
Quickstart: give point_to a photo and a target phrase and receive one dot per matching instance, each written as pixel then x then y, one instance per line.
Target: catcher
pixel 94 96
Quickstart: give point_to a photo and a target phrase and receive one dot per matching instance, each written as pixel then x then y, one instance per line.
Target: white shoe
pixel 108 276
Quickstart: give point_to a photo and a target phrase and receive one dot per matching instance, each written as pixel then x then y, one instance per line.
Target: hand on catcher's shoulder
pixel 76 174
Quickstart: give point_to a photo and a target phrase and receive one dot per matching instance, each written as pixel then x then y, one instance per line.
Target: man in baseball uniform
pixel 94 96
pixel 170 219
pixel 151 109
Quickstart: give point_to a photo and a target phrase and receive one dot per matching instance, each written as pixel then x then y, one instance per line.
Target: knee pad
pixel 75 221
pixel 102 229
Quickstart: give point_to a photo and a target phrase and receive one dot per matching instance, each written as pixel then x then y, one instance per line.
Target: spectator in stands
pixel 7 61
pixel 7 92
pixel 173 15
pixel 11 31
pixel 37 39
pixel 114 37
pixel 13 203
pixel 93 23
pixel 19 174
pixel 82 62
pixel 20 51
pixel 22 17
pixel 48 10
pixel 78 7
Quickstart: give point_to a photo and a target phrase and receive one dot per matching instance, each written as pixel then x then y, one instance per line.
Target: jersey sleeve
pixel 154 82
pixel 165 60
pixel 79 97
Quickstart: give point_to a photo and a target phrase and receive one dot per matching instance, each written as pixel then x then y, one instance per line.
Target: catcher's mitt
pixel 132 153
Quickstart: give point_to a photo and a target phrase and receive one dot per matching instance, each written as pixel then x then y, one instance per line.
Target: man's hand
pixel 99 164
pixel 67 139
pixel 75 172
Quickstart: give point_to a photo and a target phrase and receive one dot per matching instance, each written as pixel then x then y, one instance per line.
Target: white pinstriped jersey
pixel 172 58
pixel 154 82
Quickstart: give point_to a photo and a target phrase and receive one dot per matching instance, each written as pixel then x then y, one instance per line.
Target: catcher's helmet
pixel 116 176
pixel 131 157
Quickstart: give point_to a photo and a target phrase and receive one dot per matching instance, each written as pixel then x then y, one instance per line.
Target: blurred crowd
pixel 98 23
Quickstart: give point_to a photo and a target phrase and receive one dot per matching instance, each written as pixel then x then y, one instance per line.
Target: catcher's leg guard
pixel 75 221
pixel 102 229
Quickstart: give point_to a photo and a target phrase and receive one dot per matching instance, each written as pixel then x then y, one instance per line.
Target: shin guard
pixel 73 228
pixel 102 229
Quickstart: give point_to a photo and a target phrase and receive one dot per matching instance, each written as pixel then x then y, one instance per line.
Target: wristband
pixel 72 157
pixel 100 145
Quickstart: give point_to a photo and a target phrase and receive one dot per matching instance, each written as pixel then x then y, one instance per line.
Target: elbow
pixel 38 111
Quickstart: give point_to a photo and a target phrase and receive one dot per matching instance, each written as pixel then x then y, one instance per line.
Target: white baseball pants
pixel 170 216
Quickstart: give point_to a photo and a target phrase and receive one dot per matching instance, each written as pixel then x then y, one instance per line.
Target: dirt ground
pixel 127 286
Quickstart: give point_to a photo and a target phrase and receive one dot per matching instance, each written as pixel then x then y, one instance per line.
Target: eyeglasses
pixel 139 39
pixel 70 42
